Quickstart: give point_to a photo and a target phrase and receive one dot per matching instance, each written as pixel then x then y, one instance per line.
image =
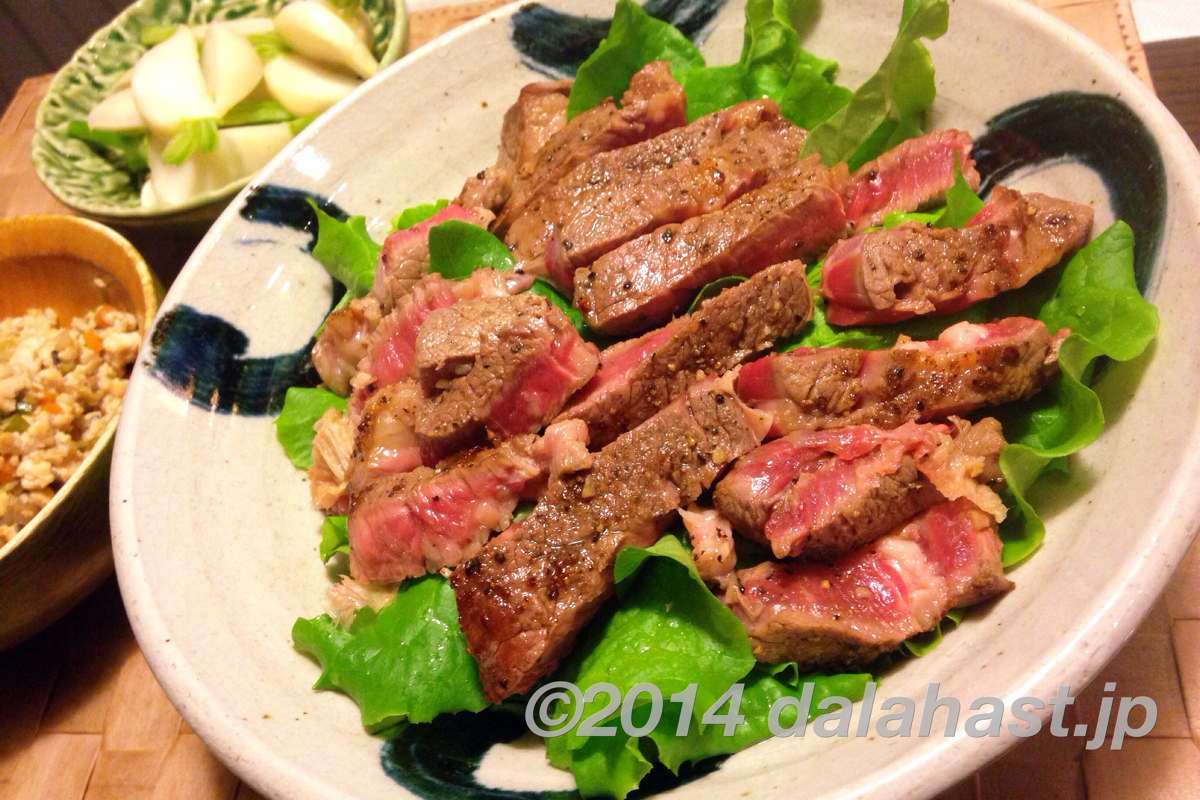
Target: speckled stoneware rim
pixel 50 141
pixel 151 290
pixel 900 768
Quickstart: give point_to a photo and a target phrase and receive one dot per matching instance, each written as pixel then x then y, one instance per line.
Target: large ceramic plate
pixel 216 542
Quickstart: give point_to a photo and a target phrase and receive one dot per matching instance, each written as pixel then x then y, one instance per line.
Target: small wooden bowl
pixel 64 552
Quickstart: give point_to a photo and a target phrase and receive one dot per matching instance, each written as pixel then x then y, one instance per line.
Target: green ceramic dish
pixel 88 183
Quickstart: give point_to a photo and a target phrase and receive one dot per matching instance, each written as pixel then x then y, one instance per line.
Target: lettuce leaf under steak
pixel 302 407
pixel 408 661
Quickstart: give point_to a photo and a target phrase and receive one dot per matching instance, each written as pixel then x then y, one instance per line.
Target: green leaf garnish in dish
pixel 193 135
pixel 128 148
pixel 547 290
pixel 458 248
pixel 302 407
pixel 155 32
pixel 255 112
pixel 346 251
pixel 334 538
pixel 268 45
pixel 419 213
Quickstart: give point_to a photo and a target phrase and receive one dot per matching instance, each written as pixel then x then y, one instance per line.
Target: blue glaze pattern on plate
pixel 558 43
pixel 285 207
pixel 1098 131
pixel 437 760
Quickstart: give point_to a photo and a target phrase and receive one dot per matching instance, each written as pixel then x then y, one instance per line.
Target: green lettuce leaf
pixel 302 408
pixel 1098 299
pixel 268 45
pixel 892 104
pixel 457 248
pixel 408 661
pixel 193 135
pixel 153 33
pixel 127 149
pixel 346 251
pixel 419 213
pixel 633 41
pixel 961 202
pixel 255 112
pixel 334 538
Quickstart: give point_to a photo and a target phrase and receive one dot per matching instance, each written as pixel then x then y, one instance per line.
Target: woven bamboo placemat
pixel 82 718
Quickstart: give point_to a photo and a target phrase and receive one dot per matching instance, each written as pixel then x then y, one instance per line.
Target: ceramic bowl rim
pixel 1138 583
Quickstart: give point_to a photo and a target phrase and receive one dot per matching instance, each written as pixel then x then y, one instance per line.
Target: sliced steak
pixel 888 275
pixel 967 367
pixel 507 364
pixel 712 544
pixel 638 377
pixel 617 196
pixel 390 353
pixel 408 524
pixel 530 590
pixel 385 437
pixel 403 262
pixel 819 495
pixel 654 103
pixel 641 284
pixel 867 603
pixel 914 173
pixel 539 113
pixel 332 449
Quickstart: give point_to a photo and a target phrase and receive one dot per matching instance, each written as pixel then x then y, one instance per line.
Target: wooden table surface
pixel 82 717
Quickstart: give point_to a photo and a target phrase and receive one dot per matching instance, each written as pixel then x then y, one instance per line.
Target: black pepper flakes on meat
pixel 628 285
pixel 472 566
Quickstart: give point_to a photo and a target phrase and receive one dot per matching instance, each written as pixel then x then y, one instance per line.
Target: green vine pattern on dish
pixel 85 180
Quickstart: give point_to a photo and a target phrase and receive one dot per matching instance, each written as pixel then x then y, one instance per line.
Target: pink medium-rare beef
pixel 641 284
pixel 617 196
pixel 914 173
pixel 967 367
pixel 405 525
pixel 654 103
pixel 888 275
pixel 506 364
pixel 391 352
pixel 711 536
pixel 819 495
pixel 523 598
pixel 403 262
pixel 386 441
pixel 539 112
pixel 639 376
pixel 868 602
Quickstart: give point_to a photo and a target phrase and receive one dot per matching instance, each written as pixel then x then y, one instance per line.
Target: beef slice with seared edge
pixel 640 376
pixel 915 173
pixel 505 364
pixel 407 524
pixel 819 495
pixel 889 275
pixel 654 103
pixel 539 112
pixel 530 590
pixel 641 284
pixel 967 367
pixel 868 602
pixel 403 262
pixel 617 196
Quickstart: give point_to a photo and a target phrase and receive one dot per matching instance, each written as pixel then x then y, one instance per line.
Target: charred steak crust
pixel 967 367
pixel 539 112
pixel 723 332
pixel 525 596
pixel 641 284
pixel 619 195
pixel 888 275
pixel 867 603
pixel 654 103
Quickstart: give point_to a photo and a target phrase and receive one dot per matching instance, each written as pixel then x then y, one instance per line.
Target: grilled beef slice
pixel 617 196
pixel 888 275
pixel 507 364
pixel 819 495
pixel 867 603
pixel 639 376
pixel 405 525
pixel 403 262
pixel 529 591
pixel 967 367
pixel 641 284
pixel 654 103
pixel 391 346
pixel 539 113
pixel 912 174
pixel 712 544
